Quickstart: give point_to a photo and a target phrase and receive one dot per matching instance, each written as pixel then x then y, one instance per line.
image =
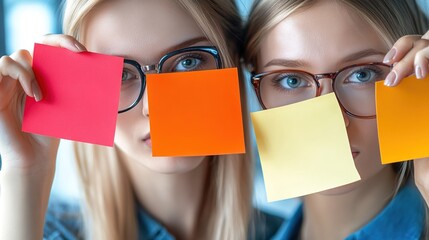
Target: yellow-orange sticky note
pixel 403 120
pixel 304 148
pixel 195 113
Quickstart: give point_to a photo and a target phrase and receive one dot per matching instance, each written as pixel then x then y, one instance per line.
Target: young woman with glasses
pixel 301 49
pixel 128 194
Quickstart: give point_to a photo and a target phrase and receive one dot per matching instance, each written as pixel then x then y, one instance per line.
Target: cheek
pixel 123 142
pixel 369 162
pixel 125 132
pixel 122 128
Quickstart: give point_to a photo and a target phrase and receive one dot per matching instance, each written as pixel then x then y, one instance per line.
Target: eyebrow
pixel 186 43
pixel 362 54
pixel 285 63
pixel 349 58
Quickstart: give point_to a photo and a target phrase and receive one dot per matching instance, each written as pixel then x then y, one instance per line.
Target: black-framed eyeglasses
pixel 353 85
pixel 183 60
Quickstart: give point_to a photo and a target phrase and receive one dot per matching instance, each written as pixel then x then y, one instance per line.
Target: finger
pixel 64 41
pixel 422 58
pixel 23 57
pixel 405 66
pixel 10 68
pixel 421 63
pixel 400 48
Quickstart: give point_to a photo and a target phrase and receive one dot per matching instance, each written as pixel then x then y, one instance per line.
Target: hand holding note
pixel 409 55
pixel 81 95
pixel 28 160
pixel 21 150
pixel 402 111
pixel 412 56
pixel 421 167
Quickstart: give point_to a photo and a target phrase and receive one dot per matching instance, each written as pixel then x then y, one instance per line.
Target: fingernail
pixel 36 91
pixel 390 79
pixel 419 73
pixel 390 55
pixel 79 47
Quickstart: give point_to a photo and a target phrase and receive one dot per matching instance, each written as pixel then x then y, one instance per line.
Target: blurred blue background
pixel 22 22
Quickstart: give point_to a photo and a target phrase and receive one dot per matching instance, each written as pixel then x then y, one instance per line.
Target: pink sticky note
pixel 80 95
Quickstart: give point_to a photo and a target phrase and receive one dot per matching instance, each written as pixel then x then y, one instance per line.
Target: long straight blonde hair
pixel 109 208
pixel 392 19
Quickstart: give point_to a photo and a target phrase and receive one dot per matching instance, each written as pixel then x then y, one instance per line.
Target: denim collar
pixel 151 229
pixel 264 227
pixel 402 218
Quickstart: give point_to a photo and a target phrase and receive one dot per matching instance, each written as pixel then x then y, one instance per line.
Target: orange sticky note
pixel 195 113
pixel 403 120
pixel 80 95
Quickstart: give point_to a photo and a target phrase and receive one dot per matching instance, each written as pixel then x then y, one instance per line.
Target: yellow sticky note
pixel 403 120
pixel 304 148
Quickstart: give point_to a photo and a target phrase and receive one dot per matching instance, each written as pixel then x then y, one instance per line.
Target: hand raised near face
pixel 414 54
pixel 28 160
pixel 409 55
pixel 19 150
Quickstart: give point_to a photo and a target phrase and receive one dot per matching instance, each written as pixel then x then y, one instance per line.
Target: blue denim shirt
pixel 402 219
pixel 64 222
pixel 264 226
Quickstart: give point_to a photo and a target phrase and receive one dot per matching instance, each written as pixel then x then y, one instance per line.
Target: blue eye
pixel 291 82
pixel 365 75
pixel 188 64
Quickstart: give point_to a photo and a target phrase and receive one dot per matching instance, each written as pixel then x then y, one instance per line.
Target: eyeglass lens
pixel 132 79
pixel 354 87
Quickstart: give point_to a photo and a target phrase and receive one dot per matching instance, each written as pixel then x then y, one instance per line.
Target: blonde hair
pixel 392 19
pixel 109 198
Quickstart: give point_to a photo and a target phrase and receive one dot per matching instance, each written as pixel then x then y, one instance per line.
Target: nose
pixel 145 109
pixel 325 86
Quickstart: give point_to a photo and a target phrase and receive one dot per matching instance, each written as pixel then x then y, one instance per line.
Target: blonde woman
pixel 300 49
pixel 128 193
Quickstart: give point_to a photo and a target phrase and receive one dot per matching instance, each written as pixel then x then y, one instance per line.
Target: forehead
pixel 324 32
pixel 138 27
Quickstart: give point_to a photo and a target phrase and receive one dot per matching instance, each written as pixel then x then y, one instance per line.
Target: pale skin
pixel 174 193
pixel 29 160
pixel 299 42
